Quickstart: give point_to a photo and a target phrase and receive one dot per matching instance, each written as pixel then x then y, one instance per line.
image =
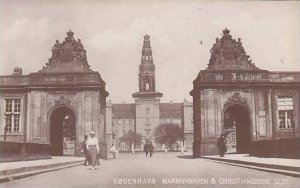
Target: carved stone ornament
pixel 63 101
pixel 229 54
pixel 68 56
pixel 236 98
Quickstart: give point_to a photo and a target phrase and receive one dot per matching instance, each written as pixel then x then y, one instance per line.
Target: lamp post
pixel 5 129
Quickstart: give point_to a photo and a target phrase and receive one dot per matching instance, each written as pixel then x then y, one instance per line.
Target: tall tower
pixel 147 99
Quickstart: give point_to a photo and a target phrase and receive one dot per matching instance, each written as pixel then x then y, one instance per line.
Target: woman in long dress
pixel 93 147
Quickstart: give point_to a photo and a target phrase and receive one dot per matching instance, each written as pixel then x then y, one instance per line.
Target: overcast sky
pixel 112 33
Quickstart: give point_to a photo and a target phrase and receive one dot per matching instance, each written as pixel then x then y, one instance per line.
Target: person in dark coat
pixel 222 145
pixel 151 148
pixel 87 160
pixel 146 148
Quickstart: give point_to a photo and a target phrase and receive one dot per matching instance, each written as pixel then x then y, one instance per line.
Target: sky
pixel 182 34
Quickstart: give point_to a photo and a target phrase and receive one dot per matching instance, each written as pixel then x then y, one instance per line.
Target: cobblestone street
pixel 162 170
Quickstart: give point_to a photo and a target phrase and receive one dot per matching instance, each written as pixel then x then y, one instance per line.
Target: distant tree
pixel 168 134
pixel 131 138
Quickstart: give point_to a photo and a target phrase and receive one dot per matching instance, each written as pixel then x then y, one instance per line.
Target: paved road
pixel 162 170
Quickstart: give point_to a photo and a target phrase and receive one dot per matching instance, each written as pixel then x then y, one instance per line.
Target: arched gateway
pixel 63 131
pixel 236 126
pixel 257 110
pixel 59 104
pixel 73 97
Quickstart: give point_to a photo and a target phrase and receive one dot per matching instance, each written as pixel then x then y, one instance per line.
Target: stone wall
pixel 284 148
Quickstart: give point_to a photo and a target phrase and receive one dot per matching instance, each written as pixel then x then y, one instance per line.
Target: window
pixel 130 121
pixel 147 86
pixel 147 132
pixel 285 112
pixel 124 131
pixel 124 121
pixel 176 121
pixel 147 111
pixel 147 122
pixel 122 146
pixel 12 115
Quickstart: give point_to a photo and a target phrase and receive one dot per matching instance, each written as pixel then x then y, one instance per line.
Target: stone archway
pixel 237 127
pixel 63 131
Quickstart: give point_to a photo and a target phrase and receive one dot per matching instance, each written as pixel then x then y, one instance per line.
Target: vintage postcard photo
pixel 131 94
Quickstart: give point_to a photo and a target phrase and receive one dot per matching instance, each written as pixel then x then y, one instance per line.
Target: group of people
pixel 90 147
pixel 148 148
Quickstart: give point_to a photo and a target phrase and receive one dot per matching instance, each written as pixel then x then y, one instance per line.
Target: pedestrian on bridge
pixel 151 148
pixel 146 148
pixel 222 145
pixel 93 147
pixel 84 150
pixel 113 150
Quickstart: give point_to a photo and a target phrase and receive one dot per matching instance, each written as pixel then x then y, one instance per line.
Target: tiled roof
pixel 170 106
pixel 123 111
pixel 127 111
pixel 170 110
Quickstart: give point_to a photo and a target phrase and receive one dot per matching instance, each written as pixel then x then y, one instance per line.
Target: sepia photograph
pixel 149 93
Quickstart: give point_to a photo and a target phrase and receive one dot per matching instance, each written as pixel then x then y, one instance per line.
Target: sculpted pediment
pixel 229 54
pixel 68 56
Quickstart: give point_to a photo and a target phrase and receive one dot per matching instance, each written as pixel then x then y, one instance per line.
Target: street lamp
pixel 5 129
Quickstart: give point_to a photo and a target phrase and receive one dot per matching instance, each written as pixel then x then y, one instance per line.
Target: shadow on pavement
pixel 186 157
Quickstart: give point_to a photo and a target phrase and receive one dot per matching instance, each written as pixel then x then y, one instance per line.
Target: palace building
pixel 121 118
pixel 51 110
pixel 147 112
pixel 257 110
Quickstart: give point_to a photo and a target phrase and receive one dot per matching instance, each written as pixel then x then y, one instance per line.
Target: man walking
pixel 146 148
pixel 151 149
pixel 87 160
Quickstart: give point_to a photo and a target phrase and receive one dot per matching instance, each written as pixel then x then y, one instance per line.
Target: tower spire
pixel 147 72
pixel 146 51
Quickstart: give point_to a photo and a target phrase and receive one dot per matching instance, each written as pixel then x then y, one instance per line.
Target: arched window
pixel 147 86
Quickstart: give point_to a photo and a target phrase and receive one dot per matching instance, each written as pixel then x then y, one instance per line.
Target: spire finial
pixel 146 37
pixel 146 46
pixel 70 33
pixel 226 31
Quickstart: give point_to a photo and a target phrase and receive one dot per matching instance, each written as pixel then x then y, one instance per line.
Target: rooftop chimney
pixel 17 71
